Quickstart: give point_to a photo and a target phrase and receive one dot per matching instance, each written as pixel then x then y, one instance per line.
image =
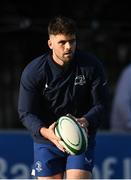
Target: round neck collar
pixel 56 67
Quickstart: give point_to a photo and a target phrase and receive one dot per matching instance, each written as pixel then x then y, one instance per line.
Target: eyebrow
pixel 71 40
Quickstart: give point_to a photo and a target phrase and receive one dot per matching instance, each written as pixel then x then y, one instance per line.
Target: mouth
pixel 68 53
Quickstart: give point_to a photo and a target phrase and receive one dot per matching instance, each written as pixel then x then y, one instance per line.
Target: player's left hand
pixel 83 122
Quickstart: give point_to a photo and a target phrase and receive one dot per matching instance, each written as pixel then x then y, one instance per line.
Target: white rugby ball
pixel 74 138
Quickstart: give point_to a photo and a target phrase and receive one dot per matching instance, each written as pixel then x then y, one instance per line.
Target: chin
pixel 67 60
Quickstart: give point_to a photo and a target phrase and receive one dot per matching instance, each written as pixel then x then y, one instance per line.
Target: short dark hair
pixel 62 25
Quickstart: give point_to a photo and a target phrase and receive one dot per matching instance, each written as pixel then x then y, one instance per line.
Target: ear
pixel 50 44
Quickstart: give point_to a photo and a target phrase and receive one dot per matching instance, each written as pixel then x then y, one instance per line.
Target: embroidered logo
pixel 38 166
pixel 80 80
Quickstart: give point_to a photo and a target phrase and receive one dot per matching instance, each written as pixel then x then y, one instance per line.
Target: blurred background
pixel 104 29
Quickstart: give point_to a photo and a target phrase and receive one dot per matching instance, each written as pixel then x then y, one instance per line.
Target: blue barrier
pixel 113 156
pixel 16 155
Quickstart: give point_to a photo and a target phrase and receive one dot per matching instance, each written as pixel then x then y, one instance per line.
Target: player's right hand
pixel 49 134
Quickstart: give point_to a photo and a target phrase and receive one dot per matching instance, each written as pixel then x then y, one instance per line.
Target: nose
pixel 68 45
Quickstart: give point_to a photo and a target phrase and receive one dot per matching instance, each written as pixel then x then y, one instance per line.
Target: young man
pixel 65 80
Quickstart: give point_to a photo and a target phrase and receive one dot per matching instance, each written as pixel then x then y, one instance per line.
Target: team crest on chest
pixel 80 80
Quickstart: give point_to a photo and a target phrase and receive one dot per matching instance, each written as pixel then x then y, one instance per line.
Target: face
pixel 63 47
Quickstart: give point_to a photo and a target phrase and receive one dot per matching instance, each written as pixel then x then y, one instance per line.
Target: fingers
pixel 52 132
pixel 60 146
pixel 83 122
pixel 55 139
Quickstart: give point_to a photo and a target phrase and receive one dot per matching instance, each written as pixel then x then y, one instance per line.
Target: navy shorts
pixel 49 160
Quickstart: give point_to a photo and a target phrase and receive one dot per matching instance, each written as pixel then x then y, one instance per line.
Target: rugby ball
pixel 73 136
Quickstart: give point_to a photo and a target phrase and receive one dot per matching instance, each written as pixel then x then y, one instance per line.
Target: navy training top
pixel 48 91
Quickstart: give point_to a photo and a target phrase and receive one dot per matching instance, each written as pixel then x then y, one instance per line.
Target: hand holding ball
pixel 74 138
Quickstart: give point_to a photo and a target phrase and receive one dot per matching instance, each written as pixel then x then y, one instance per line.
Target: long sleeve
pixel 29 102
pixel 100 96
